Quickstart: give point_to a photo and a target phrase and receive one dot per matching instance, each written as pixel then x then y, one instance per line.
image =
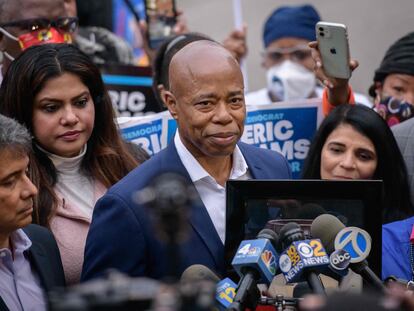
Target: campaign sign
pixel 284 127
pixel 130 89
pixel 258 254
pixel 126 26
pixel 148 132
pixel 301 255
pixel 225 292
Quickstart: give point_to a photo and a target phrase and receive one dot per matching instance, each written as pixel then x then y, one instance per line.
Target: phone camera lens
pixel 320 28
pixel 322 34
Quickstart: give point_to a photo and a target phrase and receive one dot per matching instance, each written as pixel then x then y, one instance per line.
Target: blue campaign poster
pixel 147 135
pixel 286 130
pixel 126 26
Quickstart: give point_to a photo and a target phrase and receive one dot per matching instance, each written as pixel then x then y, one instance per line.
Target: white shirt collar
pixel 197 172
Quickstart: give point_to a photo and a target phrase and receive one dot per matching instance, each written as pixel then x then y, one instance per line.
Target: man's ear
pixel 161 90
pixel 171 102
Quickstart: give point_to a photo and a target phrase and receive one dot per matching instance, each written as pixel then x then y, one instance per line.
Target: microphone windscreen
pixel 195 273
pixel 325 227
pixel 310 211
pixel 289 233
pixel 269 234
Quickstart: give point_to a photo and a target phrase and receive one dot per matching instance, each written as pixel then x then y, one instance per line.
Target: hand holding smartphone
pixel 334 49
pixel 161 18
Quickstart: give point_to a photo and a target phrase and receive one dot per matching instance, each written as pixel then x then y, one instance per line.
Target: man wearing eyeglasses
pixel 24 23
pixel 287 57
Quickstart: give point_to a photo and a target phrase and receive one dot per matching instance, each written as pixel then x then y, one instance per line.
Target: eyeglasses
pixel 297 53
pixel 65 24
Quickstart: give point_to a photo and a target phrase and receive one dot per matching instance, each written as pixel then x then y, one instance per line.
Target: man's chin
pixel 222 152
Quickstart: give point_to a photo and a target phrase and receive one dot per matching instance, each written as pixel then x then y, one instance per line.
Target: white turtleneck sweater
pixel 74 186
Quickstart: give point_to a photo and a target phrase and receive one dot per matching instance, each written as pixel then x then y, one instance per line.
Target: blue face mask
pixel 394 111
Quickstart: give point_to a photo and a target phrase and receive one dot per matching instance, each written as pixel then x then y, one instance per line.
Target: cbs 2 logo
pixel 311 248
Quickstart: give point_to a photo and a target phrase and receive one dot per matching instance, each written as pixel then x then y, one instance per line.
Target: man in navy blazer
pixel 205 97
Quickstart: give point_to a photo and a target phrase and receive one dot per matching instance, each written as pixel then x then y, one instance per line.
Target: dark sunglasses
pixel 65 24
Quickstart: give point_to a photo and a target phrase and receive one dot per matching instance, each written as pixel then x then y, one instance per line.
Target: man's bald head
pixel 199 58
pixel 206 98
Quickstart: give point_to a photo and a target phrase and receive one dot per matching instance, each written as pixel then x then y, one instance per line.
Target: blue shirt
pixel 396 249
pixel 19 284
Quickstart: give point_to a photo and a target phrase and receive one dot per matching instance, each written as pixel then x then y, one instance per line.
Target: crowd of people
pixel 68 180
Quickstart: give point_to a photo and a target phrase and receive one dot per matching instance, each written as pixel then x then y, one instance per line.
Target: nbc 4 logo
pixel 269 260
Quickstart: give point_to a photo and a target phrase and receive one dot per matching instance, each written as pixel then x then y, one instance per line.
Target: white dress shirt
pixel 212 194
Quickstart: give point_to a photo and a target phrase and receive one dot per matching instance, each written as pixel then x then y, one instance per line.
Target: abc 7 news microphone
pixel 355 242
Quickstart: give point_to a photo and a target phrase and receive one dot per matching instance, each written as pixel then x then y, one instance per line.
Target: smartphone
pixel 161 16
pixel 334 48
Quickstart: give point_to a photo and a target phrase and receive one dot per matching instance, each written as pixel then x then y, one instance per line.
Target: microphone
pixel 225 293
pixel 170 197
pixel 196 273
pixel 309 211
pixel 225 289
pixel 255 261
pixel 326 231
pixel 302 257
pixel 355 241
pixel 339 262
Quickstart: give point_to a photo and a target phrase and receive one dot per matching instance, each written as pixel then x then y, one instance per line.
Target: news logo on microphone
pixel 357 242
pixel 258 254
pixel 301 255
pixel 225 292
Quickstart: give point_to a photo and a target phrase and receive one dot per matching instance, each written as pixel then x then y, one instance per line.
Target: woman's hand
pixel 338 89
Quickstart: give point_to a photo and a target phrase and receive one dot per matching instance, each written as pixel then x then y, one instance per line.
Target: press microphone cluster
pixel 302 258
pixel 331 249
pixel 355 241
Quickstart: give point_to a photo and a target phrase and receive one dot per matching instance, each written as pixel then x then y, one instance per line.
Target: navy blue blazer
pixel 44 258
pixel 122 236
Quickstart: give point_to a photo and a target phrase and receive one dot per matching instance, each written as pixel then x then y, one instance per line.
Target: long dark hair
pixel 107 158
pixel 390 168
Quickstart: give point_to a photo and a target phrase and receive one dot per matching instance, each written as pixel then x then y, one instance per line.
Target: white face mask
pixel 289 81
